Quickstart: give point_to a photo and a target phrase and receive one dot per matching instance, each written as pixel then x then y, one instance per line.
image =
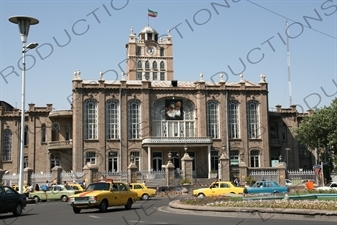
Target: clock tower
pixel 149 56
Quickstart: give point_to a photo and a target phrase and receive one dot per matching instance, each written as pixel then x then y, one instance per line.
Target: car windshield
pixel 98 186
pixel 67 187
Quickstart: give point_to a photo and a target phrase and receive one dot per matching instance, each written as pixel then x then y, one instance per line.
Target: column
pixel 187 167
pixel 209 161
pixel 149 159
pixel 224 170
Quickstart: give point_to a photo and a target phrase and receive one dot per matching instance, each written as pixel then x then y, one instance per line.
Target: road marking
pixel 96 217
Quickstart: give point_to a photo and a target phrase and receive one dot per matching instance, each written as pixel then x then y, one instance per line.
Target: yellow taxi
pixel 142 191
pixel 218 188
pixel 78 187
pixel 102 195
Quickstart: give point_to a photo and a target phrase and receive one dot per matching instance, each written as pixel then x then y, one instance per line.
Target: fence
pixel 10 179
pixel 264 175
pixel 297 176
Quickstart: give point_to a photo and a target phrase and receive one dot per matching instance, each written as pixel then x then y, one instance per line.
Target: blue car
pixel 266 187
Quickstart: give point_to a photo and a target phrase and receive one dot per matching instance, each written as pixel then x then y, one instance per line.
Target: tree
pixel 319 130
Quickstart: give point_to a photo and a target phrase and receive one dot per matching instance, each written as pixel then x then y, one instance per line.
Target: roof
pixel 148 29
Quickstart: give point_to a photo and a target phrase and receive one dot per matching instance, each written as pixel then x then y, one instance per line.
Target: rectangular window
pixel 113 162
pixel 214 160
pixel 155 76
pixel 147 75
pixel 255 158
pixel 162 75
pixel 90 158
pixel 139 75
pixel 139 50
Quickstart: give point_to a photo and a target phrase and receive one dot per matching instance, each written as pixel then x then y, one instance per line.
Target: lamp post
pixel 24 23
pixel 287 150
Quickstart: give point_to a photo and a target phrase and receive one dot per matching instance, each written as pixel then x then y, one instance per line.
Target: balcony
pixel 66 144
pixel 176 141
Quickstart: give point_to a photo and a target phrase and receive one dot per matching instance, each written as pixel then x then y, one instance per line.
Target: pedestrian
pixel 37 187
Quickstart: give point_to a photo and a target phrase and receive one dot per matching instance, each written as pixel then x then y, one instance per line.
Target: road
pixel 154 211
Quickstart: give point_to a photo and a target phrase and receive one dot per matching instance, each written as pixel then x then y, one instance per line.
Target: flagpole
pixel 148 21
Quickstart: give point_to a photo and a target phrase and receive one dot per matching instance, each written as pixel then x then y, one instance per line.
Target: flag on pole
pixel 152 13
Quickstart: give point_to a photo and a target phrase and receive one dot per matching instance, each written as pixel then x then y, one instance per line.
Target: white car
pixel 288 183
pixel 328 187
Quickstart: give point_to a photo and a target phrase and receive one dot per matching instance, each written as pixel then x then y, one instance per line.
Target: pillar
pixel 132 173
pixel 224 169
pixel 169 170
pixel 56 174
pixel 90 174
pixel 27 176
pixel 187 167
pixel 281 174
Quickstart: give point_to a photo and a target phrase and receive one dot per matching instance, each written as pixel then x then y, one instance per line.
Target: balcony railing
pixel 177 140
pixel 66 144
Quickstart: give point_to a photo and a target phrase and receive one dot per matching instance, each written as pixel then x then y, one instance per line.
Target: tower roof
pixel 148 29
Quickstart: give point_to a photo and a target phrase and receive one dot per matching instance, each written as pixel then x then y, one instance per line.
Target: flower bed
pixel 225 201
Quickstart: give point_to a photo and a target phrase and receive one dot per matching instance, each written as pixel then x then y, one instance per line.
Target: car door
pixel 214 189
pixel 224 189
pixel 2 200
pixel 10 198
pixel 123 193
pixel 113 198
pixel 56 192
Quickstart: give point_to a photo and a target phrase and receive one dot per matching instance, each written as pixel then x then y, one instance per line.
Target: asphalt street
pixel 154 211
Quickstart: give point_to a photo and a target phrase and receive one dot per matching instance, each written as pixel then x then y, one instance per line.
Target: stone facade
pixel 107 138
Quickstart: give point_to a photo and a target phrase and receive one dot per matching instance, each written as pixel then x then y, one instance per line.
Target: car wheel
pixel 18 210
pixel 64 198
pixel 201 195
pixel 128 204
pixel 36 199
pixel 145 197
pixel 103 207
pixel 76 210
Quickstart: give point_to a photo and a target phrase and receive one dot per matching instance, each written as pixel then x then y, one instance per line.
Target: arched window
pixel 55 132
pixel 7 145
pixel 273 130
pixel 233 120
pixel 212 119
pixel 147 65
pixel 68 132
pixel 43 133
pixel 112 119
pixel 139 65
pixel 180 126
pixel 255 158
pixel 154 65
pixel 162 65
pixel 161 51
pixel 253 119
pixel 90 120
pixel 134 119
pixel 113 161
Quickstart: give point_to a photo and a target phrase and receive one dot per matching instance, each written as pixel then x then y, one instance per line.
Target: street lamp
pixel 24 23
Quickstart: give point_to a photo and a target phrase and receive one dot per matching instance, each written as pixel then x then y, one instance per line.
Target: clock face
pixel 150 50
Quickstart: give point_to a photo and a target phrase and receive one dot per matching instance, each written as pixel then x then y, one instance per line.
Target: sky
pixel 210 37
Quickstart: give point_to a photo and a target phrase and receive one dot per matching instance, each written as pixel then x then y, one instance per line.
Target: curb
pixel 317 214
